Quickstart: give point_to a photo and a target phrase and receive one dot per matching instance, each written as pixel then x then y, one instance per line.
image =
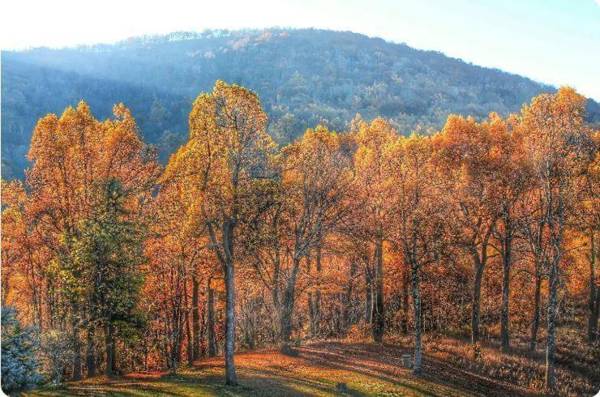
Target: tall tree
pixel 107 256
pixel 177 251
pixel 418 216
pixel 559 148
pixel 70 155
pixel 588 222
pixel 512 180
pixel 467 151
pixel 227 158
pixel 316 181
pixel 372 194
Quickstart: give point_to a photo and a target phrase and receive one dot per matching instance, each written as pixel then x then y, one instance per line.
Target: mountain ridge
pixel 303 77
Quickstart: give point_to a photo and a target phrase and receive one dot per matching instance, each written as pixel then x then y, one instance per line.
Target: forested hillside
pixel 303 77
pixel 461 262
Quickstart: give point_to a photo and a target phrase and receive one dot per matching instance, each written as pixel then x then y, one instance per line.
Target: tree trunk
pixel 595 315
pixel 405 309
pixel 230 374
pixel 378 315
pixel 109 343
pixel 368 295
pixel 317 318
pixel 76 348
pixel 506 266
pixel 347 303
pixel 535 324
pixel 476 304
pixel 189 338
pixel 416 294
pixel 311 314
pixel 210 322
pixel 90 353
pixel 287 307
pixel 195 319
pixel 504 316
pixel 550 379
pixel 594 298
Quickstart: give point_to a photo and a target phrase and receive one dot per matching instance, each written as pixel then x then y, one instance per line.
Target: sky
pixel 551 41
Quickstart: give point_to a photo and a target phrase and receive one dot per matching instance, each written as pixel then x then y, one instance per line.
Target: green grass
pixel 366 370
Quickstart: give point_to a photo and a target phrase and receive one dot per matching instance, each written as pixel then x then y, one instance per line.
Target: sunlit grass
pixel 364 369
pixel 316 372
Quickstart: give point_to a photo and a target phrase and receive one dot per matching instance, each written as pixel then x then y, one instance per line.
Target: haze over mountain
pixel 303 77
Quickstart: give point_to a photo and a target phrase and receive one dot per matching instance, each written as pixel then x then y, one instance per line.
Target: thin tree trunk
pixel 311 314
pixel 476 305
pixel 379 315
pixel 110 349
pixel 594 294
pixel 90 353
pixel 347 320
pixel 195 318
pixel 504 315
pixel 506 266
pixel 317 319
pixel 288 306
pixel 368 295
pixel 596 315
pixel 416 294
pixel 535 324
pixel 230 373
pixel 210 322
pixel 557 241
pixel 76 348
pixel 189 337
pixel 550 379
pixel 405 286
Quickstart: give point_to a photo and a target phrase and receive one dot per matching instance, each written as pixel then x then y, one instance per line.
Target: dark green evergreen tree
pixel 109 252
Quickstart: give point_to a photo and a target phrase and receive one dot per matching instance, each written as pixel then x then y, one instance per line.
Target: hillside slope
pixel 303 77
pixel 342 369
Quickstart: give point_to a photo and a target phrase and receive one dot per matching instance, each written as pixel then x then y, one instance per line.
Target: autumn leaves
pixel 296 223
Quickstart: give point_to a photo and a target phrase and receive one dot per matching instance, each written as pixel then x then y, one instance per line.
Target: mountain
pixel 303 77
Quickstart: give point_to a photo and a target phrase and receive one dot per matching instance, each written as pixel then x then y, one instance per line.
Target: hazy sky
pixel 552 41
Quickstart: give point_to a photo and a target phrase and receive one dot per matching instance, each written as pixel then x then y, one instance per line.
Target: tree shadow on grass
pixel 383 362
pixel 262 382
pixel 126 389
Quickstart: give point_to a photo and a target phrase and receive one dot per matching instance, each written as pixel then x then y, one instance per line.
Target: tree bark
pixel 226 257
pixel 557 240
pixel 550 379
pixel 405 309
pixel 504 315
pixel 109 344
pixel 210 322
pixel 287 307
pixel 348 301
pixel 90 353
pixel 195 319
pixel 378 315
pixel 596 315
pixel 476 305
pixel 594 298
pixel 506 266
pixel 189 337
pixel 535 323
pixel 368 295
pixel 416 294
pixel 76 348
pixel 317 307
pixel 230 373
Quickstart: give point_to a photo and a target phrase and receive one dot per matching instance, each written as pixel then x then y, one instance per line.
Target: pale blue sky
pixel 552 41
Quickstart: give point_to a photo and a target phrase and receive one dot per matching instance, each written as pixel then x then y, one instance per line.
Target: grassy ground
pixel 365 369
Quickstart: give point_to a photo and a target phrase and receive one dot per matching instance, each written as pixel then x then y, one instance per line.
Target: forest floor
pixel 320 369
